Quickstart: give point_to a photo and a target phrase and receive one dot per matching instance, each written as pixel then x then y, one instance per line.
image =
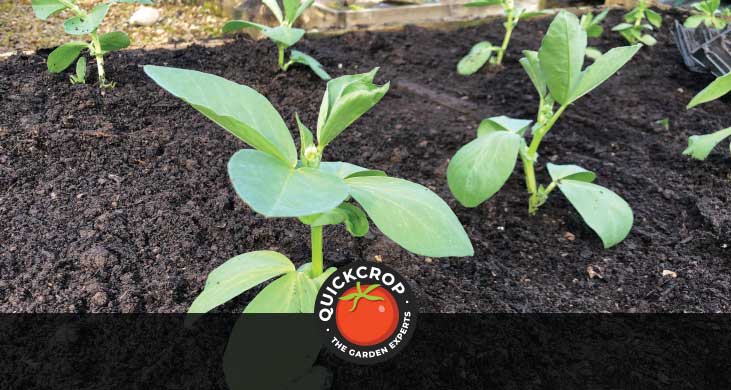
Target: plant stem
pixel 281 58
pixel 73 7
pixel 506 40
pixel 99 61
pixel 316 251
pixel 530 157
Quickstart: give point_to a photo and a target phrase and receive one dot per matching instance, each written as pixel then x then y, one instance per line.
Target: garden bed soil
pixel 119 201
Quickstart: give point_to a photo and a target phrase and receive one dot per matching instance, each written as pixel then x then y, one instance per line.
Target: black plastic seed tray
pixel 704 49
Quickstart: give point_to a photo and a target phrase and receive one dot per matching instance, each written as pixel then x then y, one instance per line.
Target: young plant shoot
pixel 481 168
pixel 483 52
pixel 634 24
pixel 83 23
pixel 710 15
pixel 700 146
pixel 273 181
pixel 284 35
pixel 593 27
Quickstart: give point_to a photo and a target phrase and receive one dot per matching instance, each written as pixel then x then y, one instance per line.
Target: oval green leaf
pixel 273 189
pixel 86 25
pixel 235 25
pixel 115 40
pixel 570 172
pixel 315 66
pixel 719 87
pixel 503 123
pixel 532 66
pixel 346 99
pixel 44 9
pixel 294 292
pixel 411 215
pixel 476 58
pixel 604 211
pixel 700 146
pixel 284 35
pixel 562 55
pixel 603 68
pixel 237 275
pixel 341 169
pixel 64 56
pixel 235 107
pixel 481 168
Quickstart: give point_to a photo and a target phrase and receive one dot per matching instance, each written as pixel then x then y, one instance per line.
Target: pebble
pixel 145 16
pixel 99 299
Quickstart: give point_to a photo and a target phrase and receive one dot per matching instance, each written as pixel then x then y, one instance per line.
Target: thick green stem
pixel 316 251
pixel 509 25
pixel 530 157
pixel 98 54
pixel 282 66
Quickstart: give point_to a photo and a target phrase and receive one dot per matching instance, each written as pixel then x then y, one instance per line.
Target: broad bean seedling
pixel 483 52
pixel 481 168
pixel 710 15
pixel 634 24
pixel 273 181
pixel 83 23
pixel 285 35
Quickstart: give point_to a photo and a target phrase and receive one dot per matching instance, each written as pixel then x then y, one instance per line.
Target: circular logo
pixel 367 312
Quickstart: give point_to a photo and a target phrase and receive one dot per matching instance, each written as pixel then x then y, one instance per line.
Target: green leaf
pixel 562 54
pixel 302 58
pixel 237 275
pixel 648 40
pixel 237 108
pixel 483 3
pixel 604 211
pixel 87 25
pixel 503 123
pixel 302 8
pixel 81 70
pixel 274 7
pixel 356 221
pixel 290 9
pixel 306 138
pixel 602 68
pixel 115 40
pixel 594 31
pixel 593 53
pixel 235 25
pixel 622 27
pixel 532 66
pixel 346 99
pixel 719 87
pixel 476 58
pixel 341 169
pixel 64 56
pixel 295 292
pixel 654 18
pixel 273 189
pixel 411 215
pixel 570 172
pixel 600 17
pixel 700 146
pixel 367 172
pixel 481 168
pixel 44 9
pixel 284 35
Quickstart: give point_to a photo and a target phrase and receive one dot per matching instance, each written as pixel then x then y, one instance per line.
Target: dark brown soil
pixel 120 201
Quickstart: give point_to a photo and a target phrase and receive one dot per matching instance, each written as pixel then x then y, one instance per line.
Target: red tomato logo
pixel 367 315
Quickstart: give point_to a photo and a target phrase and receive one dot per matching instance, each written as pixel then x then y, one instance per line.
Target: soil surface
pixel 119 201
